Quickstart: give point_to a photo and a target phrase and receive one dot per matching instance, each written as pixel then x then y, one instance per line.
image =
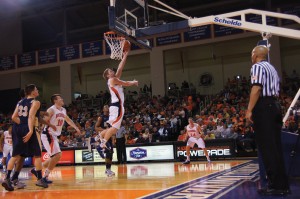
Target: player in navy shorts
pixel 26 141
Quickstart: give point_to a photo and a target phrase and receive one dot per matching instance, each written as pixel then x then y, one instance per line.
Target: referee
pixel 265 113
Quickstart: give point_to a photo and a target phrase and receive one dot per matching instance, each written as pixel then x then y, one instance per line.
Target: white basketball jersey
pixel 192 131
pixel 57 119
pixel 116 92
pixel 7 138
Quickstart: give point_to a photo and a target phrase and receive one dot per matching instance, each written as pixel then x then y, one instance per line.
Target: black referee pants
pixel 121 150
pixel 267 124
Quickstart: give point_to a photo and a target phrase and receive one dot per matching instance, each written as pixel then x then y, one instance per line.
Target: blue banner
pixel 26 59
pixel 69 52
pixel 292 11
pixel 197 33
pixel 92 49
pixel 107 49
pixel 47 56
pixel 7 63
pixel 170 39
pixel 224 30
pixel 258 19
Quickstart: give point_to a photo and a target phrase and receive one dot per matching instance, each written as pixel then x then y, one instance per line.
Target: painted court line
pixel 212 186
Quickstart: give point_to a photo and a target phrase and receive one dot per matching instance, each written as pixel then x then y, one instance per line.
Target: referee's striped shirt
pixel 266 76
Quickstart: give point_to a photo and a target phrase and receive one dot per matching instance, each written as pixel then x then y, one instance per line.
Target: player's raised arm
pixel 117 81
pixel 122 64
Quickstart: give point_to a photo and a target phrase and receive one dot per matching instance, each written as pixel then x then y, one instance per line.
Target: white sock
pixel 103 142
pixel 188 158
pixel 97 137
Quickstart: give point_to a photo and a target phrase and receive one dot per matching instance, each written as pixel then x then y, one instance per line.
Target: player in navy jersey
pixel 107 152
pixel 26 141
pixel 264 111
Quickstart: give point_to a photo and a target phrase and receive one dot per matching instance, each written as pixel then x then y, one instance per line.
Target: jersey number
pixel 23 111
pixel 60 122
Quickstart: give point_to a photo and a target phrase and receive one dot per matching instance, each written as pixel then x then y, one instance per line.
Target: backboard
pixel 127 16
pixel 131 19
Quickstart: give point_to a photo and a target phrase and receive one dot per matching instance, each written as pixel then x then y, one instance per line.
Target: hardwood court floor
pixel 141 180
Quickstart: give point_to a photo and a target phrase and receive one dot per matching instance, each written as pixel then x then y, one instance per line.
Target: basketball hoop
pixel 116 44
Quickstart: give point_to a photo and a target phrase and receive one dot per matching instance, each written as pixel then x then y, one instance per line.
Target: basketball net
pixel 116 44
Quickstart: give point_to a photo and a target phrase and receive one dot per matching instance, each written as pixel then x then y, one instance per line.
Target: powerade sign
pixel 138 153
pixel 232 22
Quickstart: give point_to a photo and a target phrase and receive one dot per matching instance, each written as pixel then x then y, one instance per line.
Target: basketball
pixel 126 46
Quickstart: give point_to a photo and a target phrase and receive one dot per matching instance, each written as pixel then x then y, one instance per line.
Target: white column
pixel 66 82
pixel 158 72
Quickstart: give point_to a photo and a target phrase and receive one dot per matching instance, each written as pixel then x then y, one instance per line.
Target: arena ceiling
pixel 53 23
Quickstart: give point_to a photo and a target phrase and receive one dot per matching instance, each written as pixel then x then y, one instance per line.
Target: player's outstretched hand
pixel 27 137
pixel 77 130
pixel 135 82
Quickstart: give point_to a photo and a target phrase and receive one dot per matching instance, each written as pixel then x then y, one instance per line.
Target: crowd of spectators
pixel 160 119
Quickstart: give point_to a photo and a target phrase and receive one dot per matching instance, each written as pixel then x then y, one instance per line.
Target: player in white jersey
pixel 195 136
pixel 56 115
pixel 6 146
pixel 116 109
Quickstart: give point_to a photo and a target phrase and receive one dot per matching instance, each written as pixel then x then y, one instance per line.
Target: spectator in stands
pixel 182 137
pixel 150 138
pixel 226 131
pixel 129 139
pixel 163 133
pixel 88 129
pixel 216 132
pixel 140 139
pixel 137 127
pixel 246 140
pixel 146 133
pixel 209 136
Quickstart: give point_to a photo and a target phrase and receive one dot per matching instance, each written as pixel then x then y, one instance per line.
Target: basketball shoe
pixel 18 184
pixel 186 162
pixel 109 173
pixel 47 180
pixel 7 185
pixel 41 183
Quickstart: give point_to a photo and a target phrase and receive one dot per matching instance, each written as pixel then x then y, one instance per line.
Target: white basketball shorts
pixel 115 116
pixel 51 148
pixel 199 141
pixel 7 149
